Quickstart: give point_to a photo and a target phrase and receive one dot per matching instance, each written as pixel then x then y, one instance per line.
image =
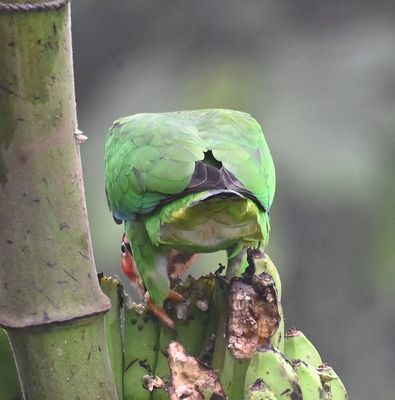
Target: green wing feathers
pixel 149 157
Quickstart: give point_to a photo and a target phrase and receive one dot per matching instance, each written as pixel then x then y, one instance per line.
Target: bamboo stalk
pixel 50 301
pixel 63 362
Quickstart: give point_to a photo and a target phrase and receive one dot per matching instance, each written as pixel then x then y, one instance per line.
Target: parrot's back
pixel 154 159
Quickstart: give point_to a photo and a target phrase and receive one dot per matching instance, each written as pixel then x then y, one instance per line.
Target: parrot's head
pixel 128 264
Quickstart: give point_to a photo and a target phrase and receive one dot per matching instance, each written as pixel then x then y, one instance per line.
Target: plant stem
pixel 50 301
pixel 60 362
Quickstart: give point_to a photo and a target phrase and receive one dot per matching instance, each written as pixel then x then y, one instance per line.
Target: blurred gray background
pixel 320 78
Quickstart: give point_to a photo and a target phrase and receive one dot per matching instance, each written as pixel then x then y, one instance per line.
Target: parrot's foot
pixel 174 296
pixel 178 262
pixel 160 312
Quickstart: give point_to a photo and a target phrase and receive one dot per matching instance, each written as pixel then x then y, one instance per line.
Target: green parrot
pixel 192 182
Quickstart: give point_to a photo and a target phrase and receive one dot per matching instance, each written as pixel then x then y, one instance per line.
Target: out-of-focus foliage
pixel 319 77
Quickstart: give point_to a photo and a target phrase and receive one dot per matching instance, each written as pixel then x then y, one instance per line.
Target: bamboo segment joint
pixel 31 7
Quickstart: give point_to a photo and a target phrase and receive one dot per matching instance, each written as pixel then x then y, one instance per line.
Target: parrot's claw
pixel 175 296
pixel 160 312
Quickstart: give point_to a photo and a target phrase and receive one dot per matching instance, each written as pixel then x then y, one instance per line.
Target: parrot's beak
pixel 128 264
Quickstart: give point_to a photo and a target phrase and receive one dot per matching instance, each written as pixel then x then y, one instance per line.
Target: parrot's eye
pixel 123 249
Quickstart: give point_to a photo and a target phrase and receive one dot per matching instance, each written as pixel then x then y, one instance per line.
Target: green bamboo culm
pixel 9 383
pixel 51 305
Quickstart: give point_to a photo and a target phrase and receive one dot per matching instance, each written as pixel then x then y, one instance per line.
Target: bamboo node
pixel 31 7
